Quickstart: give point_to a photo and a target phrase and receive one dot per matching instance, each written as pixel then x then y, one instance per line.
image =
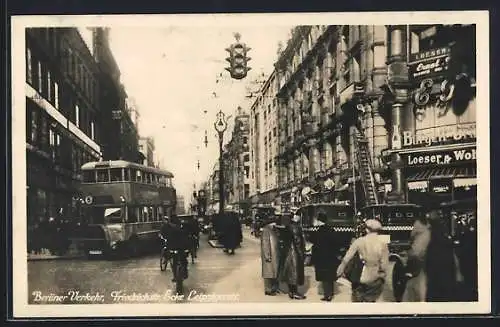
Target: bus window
pixel 116 174
pixel 148 177
pixel 138 175
pixel 102 175
pixel 113 215
pixel 156 179
pixel 151 214
pixel 89 176
pixel 132 215
pixel 169 182
pixel 126 176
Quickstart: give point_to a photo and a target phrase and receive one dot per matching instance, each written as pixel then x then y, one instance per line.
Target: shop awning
pixel 464 182
pixel 451 172
pixel 462 176
pixel 417 185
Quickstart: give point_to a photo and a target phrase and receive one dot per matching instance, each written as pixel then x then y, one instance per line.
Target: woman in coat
pixel 324 260
pixel 293 269
pixel 232 232
pixel 269 253
pixel 374 253
pixel 416 286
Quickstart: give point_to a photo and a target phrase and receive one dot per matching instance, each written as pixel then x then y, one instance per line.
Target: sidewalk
pixel 248 283
pixel 46 255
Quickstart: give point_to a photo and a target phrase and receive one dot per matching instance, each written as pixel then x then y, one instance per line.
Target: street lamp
pixel 221 126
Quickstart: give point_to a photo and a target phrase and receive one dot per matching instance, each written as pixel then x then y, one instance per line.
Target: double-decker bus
pixel 124 203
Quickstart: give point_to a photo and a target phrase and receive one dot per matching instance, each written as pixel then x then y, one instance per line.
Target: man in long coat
pixel 293 269
pixel 324 258
pixel 269 252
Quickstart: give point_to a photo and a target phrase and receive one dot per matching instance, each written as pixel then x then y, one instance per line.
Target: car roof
pixel 392 205
pixel 340 205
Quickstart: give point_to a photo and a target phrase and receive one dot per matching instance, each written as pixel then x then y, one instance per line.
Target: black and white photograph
pixel 251 164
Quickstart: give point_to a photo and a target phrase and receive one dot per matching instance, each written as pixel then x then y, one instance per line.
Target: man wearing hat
pixel 374 255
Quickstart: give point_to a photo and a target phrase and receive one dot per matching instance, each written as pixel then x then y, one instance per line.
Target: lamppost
pixel 221 126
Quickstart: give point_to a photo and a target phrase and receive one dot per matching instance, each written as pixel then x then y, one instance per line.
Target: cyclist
pixel 194 234
pixel 163 236
pixel 178 238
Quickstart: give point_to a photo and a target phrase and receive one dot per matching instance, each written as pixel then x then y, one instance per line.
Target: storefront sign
pixel 440 158
pixel 438 135
pixel 441 186
pixel 429 63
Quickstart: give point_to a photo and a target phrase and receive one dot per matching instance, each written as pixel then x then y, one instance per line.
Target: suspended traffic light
pixel 238 59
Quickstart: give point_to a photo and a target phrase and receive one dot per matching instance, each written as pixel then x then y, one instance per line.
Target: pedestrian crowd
pixel 433 272
pixel 49 236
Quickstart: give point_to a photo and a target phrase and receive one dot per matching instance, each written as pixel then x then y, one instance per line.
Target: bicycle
pixel 179 268
pixel 164 255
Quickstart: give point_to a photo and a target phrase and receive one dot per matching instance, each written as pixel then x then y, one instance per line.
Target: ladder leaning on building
pixel 365 168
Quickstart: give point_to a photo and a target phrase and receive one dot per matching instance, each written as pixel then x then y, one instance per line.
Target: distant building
pixel 147 148
pixel 264 140
pixel 180 209
pixel 237 163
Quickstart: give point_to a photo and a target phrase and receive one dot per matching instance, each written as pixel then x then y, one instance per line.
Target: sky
pixel 173 73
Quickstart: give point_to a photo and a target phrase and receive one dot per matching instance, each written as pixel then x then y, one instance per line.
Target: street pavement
pixel 247 282
pixel 215 276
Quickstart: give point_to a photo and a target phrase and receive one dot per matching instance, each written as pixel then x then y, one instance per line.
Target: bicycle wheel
pixel 163 260
pixel 179 278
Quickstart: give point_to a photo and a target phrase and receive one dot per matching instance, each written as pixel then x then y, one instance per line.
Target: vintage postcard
pixel 251 164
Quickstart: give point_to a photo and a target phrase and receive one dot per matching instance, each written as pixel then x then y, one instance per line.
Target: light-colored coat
pixel 269 251
pixel 416 287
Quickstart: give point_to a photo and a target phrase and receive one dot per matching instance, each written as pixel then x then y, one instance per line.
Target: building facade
pixel 117 113
pixel 264 143
pixel 238 163
pixel 63 127
pixel 406 93
pixel 147 148
pixel 213 189
pixel 181 205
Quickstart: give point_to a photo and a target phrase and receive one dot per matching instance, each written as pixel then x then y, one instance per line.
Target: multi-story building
pixel 405 95
pixel 62 119
pixel 264 143
pixel 134 112
pixel 147 148
pixel 237 164
pixel 115 111
pixel 213 200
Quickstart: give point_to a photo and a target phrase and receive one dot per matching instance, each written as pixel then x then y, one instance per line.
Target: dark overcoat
pixel 294 244
pixel 232 234
pixel 325 253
